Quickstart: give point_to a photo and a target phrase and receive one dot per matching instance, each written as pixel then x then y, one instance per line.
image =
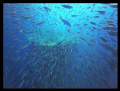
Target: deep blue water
pixel 60 45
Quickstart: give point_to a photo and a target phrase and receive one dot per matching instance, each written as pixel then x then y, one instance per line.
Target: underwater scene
pixel 60 45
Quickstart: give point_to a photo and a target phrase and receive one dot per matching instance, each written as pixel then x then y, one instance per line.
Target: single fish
pixel 51 68
pixel 88 7
pixel 103 39
pixel 109 28
pixel 92 23
pixel 74 15
pixel 69 30
pixel 94 27
pixel 26 17
pixel 106 46
pixel 59 43
pixel 109 21
pixel 28 32
pixel 85 24
pixel 112 33
pixel 22 47
pixel 65 22
pixel 90 82
pixel 39 23
pixel 113 39
pixel 101 12
pixel 110 24
pixel 16 20
pixel 96 16
pixel 47 9
pixel 27 7
pixel 23 75
pixel 84 58
pixel 89 44
pixel 32 82
pixel 67 6
pixel 20 86
pixel 17 59
pixel 70 77
pixel 105 81
pixel 114 5
pixel 33 60
pixel 26 83
pixel 115 53
pixel 76 69
pixel 18 28
pixel 94 66
pixel 83 39
pixel 77 24
pixel 75 49
pixel 102 53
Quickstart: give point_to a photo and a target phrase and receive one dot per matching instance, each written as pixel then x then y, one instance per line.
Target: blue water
pixel 46 45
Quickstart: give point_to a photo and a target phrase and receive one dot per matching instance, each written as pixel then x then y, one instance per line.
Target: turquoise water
pixel 60 45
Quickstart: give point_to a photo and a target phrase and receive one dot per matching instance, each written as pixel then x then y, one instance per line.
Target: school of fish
pixel 48 45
